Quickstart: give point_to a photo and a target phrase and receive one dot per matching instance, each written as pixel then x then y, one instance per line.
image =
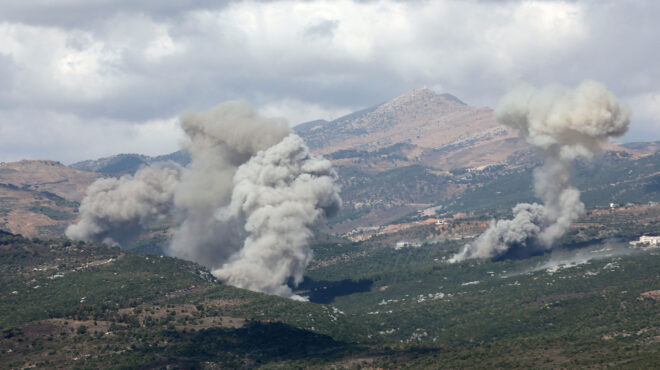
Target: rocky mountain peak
pixel 437 129
pixel 419 100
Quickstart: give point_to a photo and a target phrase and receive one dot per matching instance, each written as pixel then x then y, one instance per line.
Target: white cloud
pixel 295 111
pixel 67 138
pixel 646 108
pixel 53 71
pixel 125 64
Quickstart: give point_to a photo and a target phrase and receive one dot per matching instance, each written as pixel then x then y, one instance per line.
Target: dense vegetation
pixel 65 303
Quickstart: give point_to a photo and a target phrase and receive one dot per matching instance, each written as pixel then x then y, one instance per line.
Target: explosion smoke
pixel 114 211
pixel 564 124
pixel 246 201
pixel 219 141
pixel 279 193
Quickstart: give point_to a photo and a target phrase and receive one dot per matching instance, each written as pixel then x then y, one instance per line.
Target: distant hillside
pixel 424 149
pixel 392 195
pixel 121 164
pixel 47 176
pixel 40 198
pixel 642 148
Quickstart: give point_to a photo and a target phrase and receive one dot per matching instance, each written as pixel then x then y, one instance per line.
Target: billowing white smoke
pixel 280 193
pixel 564 124
pixel 115 211
pixel 247 201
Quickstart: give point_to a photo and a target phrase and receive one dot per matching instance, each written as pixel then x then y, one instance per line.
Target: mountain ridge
pixel 121 164
pixel 388 115
pixel 448 134
pixel 439 130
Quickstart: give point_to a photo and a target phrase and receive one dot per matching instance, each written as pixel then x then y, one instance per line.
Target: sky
pixel 83 79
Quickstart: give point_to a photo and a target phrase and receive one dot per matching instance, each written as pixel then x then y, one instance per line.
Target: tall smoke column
pixel 114 211
pixel 564 124
pixel 280 193
pixel 219 141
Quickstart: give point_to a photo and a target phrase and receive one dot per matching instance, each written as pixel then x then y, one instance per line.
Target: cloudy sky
pixel 81 79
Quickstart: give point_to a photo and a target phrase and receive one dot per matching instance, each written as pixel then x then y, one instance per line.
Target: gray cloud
pixel 140 61
pixel 81 13
pixel 7 72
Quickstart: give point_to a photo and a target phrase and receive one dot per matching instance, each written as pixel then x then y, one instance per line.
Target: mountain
pixel 424 150
pixel 40 198
pixel 421 127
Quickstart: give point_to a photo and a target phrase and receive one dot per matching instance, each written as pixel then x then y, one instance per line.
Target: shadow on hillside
pixel 519 253
pixel 256 344
pixel 323 291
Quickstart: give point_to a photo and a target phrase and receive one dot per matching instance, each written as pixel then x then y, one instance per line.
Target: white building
pixel 652 241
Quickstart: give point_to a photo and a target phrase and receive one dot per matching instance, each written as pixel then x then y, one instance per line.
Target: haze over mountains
pixel 128 163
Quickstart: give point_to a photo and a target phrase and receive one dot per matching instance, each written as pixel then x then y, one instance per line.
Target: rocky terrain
pixel 47 176
pixel 424 127
pixel 426 150
pixel 40 198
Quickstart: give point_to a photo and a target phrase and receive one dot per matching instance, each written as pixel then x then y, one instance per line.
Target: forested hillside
pixel 70 304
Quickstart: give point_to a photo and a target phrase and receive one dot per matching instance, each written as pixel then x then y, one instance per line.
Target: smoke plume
pixel 219 141
pixel 246 202
pixel 564 124
pixel 280 193
pixel 115 211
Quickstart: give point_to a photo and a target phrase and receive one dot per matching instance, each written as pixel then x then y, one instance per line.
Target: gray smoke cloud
pixel 115 211
pixel 564 124
pixel 280 193
pixel 246 202
pixel 219 141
